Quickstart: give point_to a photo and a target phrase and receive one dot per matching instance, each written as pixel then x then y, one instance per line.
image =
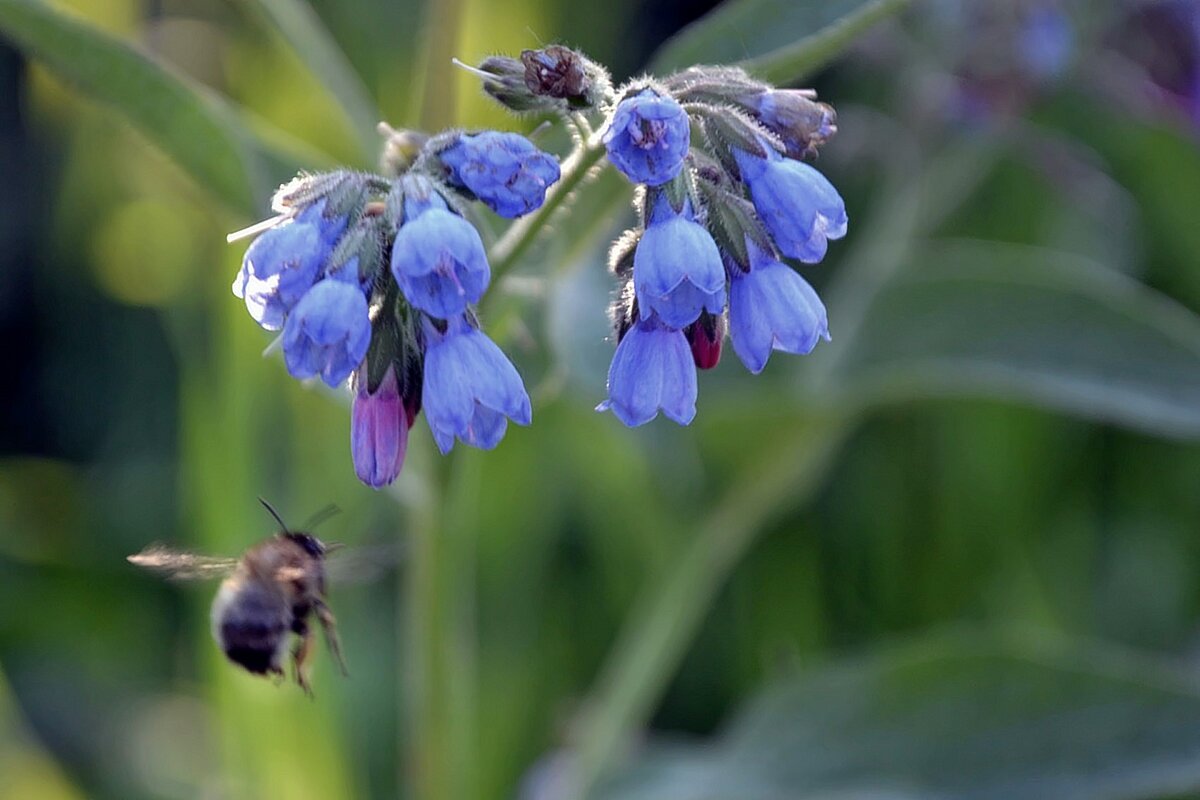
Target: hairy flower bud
pixel 504 80
pixel 563 73
pixel 800 122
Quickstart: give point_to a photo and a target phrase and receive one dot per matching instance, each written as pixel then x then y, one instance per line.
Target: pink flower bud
pixel 378 432
pixel 705 337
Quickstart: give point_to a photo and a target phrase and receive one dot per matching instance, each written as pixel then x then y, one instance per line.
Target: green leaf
pixel 193 126
pixel 781 41
pixel 963 716
pixel 986 319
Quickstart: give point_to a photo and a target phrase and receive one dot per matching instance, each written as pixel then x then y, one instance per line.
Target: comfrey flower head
pixel 740 201
pixel 772 308
pixel 677 270
pixel 374 277
pixel 438 259
pixel 284 262
pixel 797 204
pixel 471 389
pixel 652 370
pixel 648 137
pixel 371 277
pixel 504 170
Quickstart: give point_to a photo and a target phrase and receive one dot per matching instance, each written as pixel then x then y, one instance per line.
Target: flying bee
pixel 267 594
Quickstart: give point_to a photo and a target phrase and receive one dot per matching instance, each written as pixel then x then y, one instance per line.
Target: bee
pixel 267 595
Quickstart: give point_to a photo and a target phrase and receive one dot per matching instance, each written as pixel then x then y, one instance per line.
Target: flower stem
pixel 668 614
pixel 441 679
pixel 437 99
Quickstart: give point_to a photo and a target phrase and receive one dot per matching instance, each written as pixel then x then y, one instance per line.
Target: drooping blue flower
pixel 677 269
pixel 470 388
pixel 327 333
pixel 651 370
pixel 378 432
pixel 772 308
pixel 438 258
pixel 797 204
pixel 648 138
pixel 284 262
pixel 504 170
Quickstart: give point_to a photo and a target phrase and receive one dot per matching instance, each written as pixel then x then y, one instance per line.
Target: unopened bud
pixel 705 336
pixel 800 122
pixel 561 72
pixel 378 432
pixel 504 79
pixel 400 149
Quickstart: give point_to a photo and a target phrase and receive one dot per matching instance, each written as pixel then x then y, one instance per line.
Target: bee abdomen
pixel 251 625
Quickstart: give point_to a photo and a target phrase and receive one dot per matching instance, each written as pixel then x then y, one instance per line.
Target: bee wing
pixel 182 565
pixel 361 563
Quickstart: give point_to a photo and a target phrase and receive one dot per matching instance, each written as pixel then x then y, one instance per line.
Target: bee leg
pixel 329 625
pixel 300 657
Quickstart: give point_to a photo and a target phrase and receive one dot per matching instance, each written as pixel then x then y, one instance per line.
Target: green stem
pixel 437 686
pixel 440 677
pixel 436 102
pixel 655 639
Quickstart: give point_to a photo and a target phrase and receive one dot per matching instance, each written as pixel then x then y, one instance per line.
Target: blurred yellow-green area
pixel 953 553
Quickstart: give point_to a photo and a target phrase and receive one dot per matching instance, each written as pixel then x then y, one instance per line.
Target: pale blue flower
pixel 652 370
pixel 772 308
pixel 677 269
pixel 470 388
pixel 327 333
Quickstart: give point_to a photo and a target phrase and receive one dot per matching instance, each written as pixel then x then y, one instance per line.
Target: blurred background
pixel 953 553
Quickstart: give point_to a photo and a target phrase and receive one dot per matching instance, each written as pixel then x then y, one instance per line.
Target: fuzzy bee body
pixel 267 597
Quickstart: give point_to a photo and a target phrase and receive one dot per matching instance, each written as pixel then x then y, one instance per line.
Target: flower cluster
pixel 372 280
pixel 720 217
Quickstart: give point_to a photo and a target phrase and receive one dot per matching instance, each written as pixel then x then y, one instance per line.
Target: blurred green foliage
pixel 999 438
